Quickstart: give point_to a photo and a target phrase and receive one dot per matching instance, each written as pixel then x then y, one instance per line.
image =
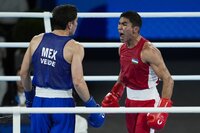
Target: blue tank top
pixel 49 66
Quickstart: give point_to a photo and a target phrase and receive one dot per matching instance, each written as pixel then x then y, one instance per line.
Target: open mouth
pixel 121 34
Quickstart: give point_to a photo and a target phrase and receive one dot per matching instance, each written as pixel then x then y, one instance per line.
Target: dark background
pixel 102 61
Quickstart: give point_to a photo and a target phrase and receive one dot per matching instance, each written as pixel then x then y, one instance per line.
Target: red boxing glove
pixel 113 97
pixel 158 120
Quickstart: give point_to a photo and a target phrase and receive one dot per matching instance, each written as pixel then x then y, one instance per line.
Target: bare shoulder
pixel 149 48
pixel 149 52
pixel 35 41
pixel 74 45
pixel 37 38
pixel 72 49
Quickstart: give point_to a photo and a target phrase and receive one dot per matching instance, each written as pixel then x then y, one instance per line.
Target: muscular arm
pixel 76 57
pixel 152 55
pixel 26 63
pixel 77 72
pixel 25 70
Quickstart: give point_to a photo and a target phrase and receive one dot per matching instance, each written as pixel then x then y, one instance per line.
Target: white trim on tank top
pixel 52 93
pixel 144 94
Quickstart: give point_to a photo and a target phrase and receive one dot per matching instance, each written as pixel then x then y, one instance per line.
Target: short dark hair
pixel 134 18
pixel 63 14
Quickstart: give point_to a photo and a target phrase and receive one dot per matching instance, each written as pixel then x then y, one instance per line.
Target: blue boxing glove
pixel 29 97
pixel 96 119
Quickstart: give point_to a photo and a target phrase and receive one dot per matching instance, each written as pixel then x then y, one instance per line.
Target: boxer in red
pixel 142 66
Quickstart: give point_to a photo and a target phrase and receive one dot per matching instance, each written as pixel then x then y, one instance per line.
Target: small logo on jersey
pixel 159 122
pixel 134 61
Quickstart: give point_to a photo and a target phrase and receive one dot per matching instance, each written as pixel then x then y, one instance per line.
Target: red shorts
pixel 137 122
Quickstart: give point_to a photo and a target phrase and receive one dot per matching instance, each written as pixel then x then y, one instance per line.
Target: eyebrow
pixel 123 23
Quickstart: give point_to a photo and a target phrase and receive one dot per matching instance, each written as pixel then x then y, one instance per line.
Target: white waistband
pixel 52 93
pixel 146 94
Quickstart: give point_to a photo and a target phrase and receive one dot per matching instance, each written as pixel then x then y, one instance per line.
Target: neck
pixel 61 32
pixel 134 41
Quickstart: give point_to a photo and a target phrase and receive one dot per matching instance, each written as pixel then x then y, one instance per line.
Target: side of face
pixel 126 30
pixel 73 26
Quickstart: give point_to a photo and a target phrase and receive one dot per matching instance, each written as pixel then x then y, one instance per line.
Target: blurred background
pixel 105 61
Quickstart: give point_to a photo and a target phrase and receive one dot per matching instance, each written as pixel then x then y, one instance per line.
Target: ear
pixel 69 25
pixel 136 29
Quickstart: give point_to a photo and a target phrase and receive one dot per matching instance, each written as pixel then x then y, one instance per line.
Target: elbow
pixel 23 74
pixel 77 82
pixel 76 85
pixel 171 81
pixel 171 87
pixel 168 80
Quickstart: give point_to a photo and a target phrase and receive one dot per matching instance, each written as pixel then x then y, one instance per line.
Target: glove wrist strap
pixel 164 102
pixel 91 102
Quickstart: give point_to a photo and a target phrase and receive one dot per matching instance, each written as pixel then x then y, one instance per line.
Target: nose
pixel 119 27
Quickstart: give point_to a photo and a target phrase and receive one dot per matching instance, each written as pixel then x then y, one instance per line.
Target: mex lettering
pixel 48 56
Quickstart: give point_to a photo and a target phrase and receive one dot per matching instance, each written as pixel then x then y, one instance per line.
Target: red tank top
pixel 134 73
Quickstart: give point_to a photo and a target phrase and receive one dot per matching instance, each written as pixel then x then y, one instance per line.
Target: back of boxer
pixel 57 69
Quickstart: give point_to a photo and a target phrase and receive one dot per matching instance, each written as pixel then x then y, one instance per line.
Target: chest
pixel 130 56
pixel 130 61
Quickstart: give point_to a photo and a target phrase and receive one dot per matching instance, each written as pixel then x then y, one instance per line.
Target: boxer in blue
pixel 57 68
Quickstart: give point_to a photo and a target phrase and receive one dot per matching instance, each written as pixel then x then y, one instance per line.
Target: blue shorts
pixel 53 123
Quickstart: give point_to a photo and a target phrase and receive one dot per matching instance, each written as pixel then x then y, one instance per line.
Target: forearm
pixel 82 90
pixel 167 89
pixel 26 82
